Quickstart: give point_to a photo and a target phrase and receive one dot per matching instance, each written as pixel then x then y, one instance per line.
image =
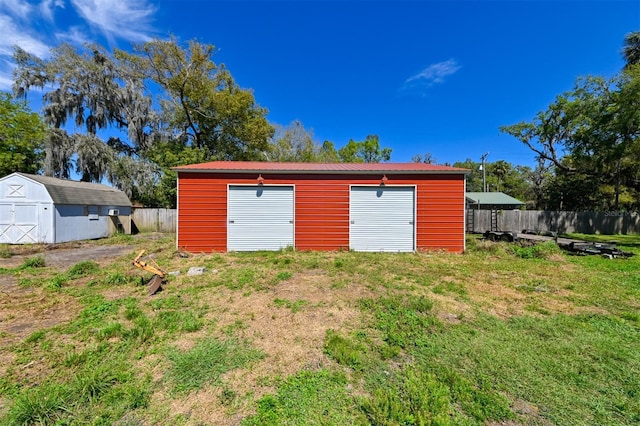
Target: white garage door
pixel 260 218
pixel 19 223
pixel 382 219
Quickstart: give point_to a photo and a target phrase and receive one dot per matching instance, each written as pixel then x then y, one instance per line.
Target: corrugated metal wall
pixel 321 208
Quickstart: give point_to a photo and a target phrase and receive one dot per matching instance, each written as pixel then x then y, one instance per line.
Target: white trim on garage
pixel 260 217
pixel 382 218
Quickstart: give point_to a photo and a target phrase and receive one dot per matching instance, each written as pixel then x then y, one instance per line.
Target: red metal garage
pixel 240 206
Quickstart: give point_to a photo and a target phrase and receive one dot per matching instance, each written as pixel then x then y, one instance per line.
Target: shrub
pixel 537 251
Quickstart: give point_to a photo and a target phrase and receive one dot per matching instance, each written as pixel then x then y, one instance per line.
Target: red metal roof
pixel 263 166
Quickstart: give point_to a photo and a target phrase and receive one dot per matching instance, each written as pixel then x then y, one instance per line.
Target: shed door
pixel 19 223
pixel 382 219
pixel 260 218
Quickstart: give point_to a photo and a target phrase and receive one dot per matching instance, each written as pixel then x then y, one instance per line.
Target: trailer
pixel 572 245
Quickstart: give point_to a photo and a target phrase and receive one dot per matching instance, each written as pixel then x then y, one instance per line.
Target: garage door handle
pixel 291 221
pixel 410 222
pixel 353 222
pixel 232 221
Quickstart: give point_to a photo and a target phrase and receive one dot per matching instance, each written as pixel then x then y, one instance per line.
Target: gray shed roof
pixel 64 191
pixel 492 198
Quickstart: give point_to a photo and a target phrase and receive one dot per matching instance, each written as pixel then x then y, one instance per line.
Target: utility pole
pixel 484 173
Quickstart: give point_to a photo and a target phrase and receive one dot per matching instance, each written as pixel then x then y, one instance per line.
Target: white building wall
pixel 18 188
pixel 74 223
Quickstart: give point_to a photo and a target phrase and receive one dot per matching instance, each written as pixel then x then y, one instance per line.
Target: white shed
pixel 42 209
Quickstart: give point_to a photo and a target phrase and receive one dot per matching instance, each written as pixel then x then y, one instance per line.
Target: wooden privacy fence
pixel 155 220
pixel 164 220
pixel 611 222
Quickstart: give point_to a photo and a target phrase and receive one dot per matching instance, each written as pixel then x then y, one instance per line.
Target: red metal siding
pixel 321 208
pixel 440 207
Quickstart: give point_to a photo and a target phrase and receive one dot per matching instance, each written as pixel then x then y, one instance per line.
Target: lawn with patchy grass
pixel 501 335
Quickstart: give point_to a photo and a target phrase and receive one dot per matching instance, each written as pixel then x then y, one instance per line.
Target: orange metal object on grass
pixel 155 283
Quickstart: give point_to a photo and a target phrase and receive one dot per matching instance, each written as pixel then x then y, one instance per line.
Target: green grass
pixel 352 352
pixel 623 240
pixel 100 392
pixel 83 269
pixel 206 362
pixel 5 251
pixel 46 404
pixel 503 334
pixel 294 306
pixel 33 262
pixel 576 369
pixel 308 398
pixel 117 238
pixel 536 251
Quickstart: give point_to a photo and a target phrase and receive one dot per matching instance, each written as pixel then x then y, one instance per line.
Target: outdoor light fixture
pixel 384 180
pixel 260 179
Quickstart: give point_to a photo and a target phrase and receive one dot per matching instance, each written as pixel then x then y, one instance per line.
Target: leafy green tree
pixel 631 49
pixel 166 155
pixel 474 176
pixel 592 131
pixel 204 108
pixel 205 115
pixel 328 153
pixel 21 137
pixel 200 113
pixel 293 143
pixel 59 149
pixel 500 169
pixel 367 151
pixel 94 91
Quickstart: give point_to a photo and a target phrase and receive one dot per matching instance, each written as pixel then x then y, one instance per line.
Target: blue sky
pixel 425 76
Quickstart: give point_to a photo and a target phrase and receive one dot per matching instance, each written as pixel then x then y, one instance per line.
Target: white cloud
pixel 11 34
pixel 34 25
pixel 47 8
pixel 434 73
pixel 129 20
pixel 75 36
pixel 17 28
pixel 18 8
pixel 6 72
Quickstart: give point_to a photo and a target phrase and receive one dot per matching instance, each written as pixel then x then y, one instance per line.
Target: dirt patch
pixel 64 256
pixel 505 299
pixel 288 323
pixel 26 309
